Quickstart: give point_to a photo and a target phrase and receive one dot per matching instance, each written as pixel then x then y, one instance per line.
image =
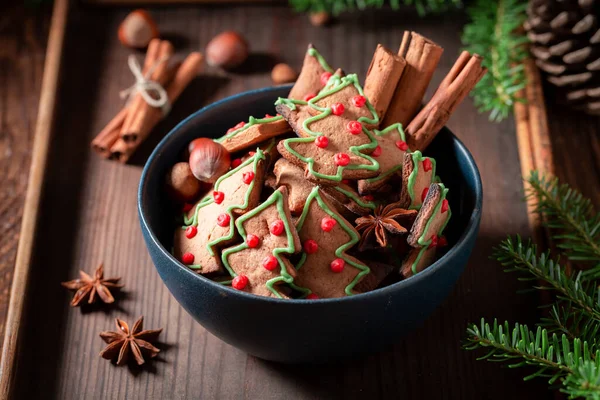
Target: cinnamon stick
pixel 137 101
pixel 422 57
pixel 382 77
pixel 463 76
pixel 141 108
pixel 109 135
pixel 122 150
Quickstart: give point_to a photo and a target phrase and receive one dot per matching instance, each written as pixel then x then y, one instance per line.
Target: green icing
pixel 209 200
pixel 314 53
pixel 325 112
pixel 412 178
pixel 364 270
pixel 398 127
pixel 357 199
pixel 275 198
pixel 251 121
pixel 426 242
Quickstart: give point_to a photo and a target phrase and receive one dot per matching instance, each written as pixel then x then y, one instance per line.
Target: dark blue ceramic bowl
pixel 298 330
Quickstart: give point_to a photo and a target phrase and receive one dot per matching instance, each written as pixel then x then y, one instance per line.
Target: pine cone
pixel 565 40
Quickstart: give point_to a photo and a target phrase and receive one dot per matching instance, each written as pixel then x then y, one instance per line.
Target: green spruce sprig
pixel 565 347
pixel 575 224
pixel 335 7
pixel 495 33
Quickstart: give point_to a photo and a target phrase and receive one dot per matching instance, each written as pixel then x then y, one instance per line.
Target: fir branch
pixel 567 211
pixel 335 7
pixel 583 382
pixel 494 32
pixel 565 319
pixel 516 256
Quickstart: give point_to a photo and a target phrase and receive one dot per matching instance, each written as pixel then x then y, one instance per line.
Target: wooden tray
pixel 81 211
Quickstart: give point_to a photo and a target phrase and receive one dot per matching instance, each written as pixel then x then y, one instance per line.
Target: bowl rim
pixel 469 231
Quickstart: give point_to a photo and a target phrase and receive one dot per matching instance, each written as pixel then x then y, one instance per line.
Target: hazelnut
pixel 181 183
pixel 319 18
pixel 227 50
pixel 137 29
pixel 283 73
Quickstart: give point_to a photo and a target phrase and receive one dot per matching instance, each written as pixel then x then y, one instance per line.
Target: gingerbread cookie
pixel 334 140
pixel 379 272
pixel 347 196
pixel 253 132
pixel 314 75
pixel 418 173
pixel 417 260
pixel 389 153
pixel 325 268
pixel 259 264
pixel 209 224
pixel 290 176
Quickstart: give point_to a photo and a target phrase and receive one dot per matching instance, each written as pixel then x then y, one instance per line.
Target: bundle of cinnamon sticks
pixel 132 125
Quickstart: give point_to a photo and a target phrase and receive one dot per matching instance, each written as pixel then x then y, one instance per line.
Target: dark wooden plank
pixel 23 34
pixel 89 215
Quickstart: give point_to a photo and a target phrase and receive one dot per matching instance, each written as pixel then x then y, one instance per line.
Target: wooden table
pixel 89 215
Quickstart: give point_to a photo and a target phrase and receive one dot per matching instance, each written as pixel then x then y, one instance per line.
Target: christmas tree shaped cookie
pixel 259 264
pixel 426 233
pixel 253 132
pixel 334 142
pixel 389 153
pixel 418 173
pixel 209 225
pixel 314 75
pixel 325 268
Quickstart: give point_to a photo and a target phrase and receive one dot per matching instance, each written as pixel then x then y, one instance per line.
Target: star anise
pixel 87 287
pixel 390 219
pixel 125 341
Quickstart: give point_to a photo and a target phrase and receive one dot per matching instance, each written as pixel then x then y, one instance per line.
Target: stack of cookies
pixel 331 197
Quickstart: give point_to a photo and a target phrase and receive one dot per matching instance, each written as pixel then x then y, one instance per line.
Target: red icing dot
pixel 311 246
pixel 223 220
pixel 354 127
pixel 251 153
pixel 235 163
pixel 268 116
pixel 424 194
pixel 325 78
pixel 247 177
pixel 359 101
pixel 218 196
pixel 337 265
pixel 236 127
pixel 321 141
pixel 337 108
pixel 277 227
pixel 190 232
pixel 445 206
pixel 427 165
pixel 368 197
pixel 327 224
pixel 346 181
pixel 187 207
pixel 341 159
pixel 312 296
pixel 188 258
pixel 401 144
pixel 252 240
pixel 376 152
pixel 442 241
pixel 309 96
pixel 270 262
pixel 434 241
pixel 239 282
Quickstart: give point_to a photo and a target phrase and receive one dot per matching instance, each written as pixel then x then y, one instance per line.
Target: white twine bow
pixel 145 86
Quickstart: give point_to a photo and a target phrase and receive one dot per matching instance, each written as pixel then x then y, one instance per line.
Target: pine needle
pixel 335 7
pixel 494 33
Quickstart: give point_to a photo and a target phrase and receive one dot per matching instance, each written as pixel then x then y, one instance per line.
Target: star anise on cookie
pixel 390 219
pixel 87 287
pixel 125 341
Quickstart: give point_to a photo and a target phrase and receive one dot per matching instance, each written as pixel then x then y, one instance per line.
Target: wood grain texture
pixel 89 215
